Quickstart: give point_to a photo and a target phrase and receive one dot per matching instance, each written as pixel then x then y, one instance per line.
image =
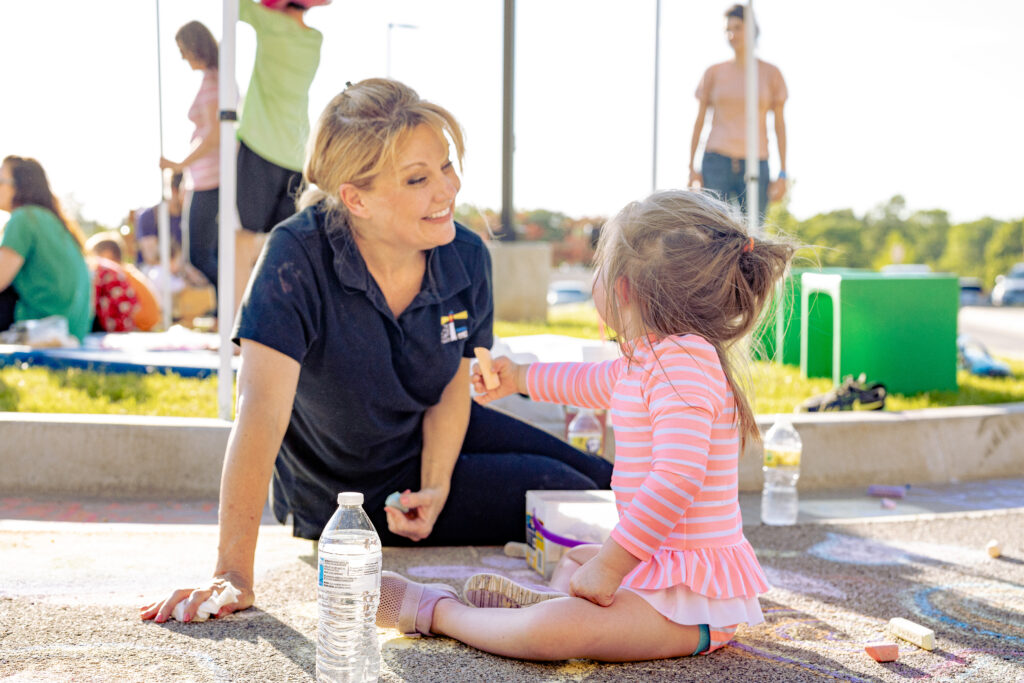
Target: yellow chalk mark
pixel 577 669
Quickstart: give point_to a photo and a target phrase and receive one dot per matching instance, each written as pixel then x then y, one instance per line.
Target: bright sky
pixel 919 97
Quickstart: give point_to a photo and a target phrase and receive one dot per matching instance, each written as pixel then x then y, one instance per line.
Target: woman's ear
pixel 353 199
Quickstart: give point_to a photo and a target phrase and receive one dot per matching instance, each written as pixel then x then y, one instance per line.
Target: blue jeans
pixel 724 175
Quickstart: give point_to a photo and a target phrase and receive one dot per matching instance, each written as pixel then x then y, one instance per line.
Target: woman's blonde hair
pixel 359 134
pixel 688 267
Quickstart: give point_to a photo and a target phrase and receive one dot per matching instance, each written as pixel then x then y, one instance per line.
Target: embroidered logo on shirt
pixel 454 326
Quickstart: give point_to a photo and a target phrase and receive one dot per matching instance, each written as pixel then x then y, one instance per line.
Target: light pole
pixel 393 26
pixel 657 64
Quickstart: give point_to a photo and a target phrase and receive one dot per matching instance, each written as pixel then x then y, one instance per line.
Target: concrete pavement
pixel 73 573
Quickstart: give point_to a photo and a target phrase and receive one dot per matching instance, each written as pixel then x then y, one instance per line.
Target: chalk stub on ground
pixel 993 549
pixel 483 357
pixel 883 652
pixel 921 636
pixel 516 549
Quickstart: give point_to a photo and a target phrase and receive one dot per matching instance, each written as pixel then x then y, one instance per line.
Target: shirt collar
pixel 446 274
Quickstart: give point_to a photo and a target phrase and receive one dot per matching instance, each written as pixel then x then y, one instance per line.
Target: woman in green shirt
pixel 42 267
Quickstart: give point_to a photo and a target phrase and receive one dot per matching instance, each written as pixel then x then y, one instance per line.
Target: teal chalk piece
pixel 395 501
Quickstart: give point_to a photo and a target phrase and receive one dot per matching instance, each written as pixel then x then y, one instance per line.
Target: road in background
pixel 1000 329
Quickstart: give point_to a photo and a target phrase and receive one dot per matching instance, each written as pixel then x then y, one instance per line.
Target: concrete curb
pixel 180 458
pixel 935 445
pixel 105 455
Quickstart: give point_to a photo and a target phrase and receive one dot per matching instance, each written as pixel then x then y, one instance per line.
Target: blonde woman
pixel 357 332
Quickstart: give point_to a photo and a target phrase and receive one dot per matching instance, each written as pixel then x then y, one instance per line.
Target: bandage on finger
pixel 483 357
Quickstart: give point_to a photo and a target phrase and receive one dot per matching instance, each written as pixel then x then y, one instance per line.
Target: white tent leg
pixel 228 218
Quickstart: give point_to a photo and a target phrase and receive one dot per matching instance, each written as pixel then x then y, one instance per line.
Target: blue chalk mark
pixel 921 600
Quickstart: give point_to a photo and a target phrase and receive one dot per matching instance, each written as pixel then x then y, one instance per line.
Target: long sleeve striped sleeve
pixel 588 385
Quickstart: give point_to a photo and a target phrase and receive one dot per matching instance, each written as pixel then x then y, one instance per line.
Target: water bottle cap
pixel 350 498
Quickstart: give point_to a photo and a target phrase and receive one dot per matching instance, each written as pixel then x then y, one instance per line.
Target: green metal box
pixel 898 329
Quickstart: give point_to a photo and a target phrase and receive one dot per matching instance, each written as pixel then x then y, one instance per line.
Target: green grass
pixel 776 389
pixel 39 390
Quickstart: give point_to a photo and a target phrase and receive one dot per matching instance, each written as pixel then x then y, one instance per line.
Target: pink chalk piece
pixel 888 503
pixel 883 491
pixel 883 652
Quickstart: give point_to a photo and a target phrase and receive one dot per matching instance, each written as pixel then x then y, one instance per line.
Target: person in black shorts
pixel 274 123
pixel 356 332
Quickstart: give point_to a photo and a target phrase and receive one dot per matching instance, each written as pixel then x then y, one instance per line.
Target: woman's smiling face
pixel 412 202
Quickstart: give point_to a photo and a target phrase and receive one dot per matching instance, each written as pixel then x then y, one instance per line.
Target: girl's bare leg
pixel 564 628
pixel 571 560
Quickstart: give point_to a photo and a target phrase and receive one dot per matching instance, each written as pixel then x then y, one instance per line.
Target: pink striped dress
pixel 675 477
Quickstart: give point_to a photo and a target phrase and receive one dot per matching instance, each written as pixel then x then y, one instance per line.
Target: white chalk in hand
pixel 210 606
pixel 483 357
pixel 394 500
pixel 919 635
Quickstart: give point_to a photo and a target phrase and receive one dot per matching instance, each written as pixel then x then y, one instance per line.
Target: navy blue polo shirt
pixel 366 378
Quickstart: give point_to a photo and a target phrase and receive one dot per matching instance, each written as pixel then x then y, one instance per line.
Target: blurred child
pixel 681 281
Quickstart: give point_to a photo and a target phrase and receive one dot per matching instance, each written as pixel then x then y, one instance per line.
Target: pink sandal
pixel 409 606
pixel 493 590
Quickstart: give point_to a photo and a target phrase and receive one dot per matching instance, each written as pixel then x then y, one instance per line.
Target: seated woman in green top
pixel 42 267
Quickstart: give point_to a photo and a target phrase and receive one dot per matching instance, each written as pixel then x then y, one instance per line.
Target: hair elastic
pixel 749 246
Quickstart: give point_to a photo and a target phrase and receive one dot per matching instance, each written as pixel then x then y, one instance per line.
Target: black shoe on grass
pixel 852 394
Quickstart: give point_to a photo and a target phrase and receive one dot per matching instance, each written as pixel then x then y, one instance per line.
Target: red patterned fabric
pixel 116 300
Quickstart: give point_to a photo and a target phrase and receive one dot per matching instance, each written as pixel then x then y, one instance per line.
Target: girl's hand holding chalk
pixel 483 358
pixel 495 379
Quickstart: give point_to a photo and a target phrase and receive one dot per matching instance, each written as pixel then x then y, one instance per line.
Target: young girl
pixel 681 282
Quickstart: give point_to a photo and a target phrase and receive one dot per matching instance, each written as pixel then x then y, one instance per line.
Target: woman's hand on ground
pixel 424 507
pixel 596 582
pixel 508 375
pixel 160 611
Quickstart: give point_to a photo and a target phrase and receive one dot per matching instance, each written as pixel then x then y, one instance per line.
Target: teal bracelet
pixel 782 175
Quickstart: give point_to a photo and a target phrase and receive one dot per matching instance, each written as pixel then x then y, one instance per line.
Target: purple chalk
pixel 883 491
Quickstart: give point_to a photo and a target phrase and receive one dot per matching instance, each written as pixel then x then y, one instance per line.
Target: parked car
pixel 568 292
pixel 971 292
pixel 906 269
pixel 1009 289
pixel 974 357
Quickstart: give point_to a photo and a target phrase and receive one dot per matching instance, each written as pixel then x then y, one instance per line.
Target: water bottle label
pixel 349 577
pixel 588 443
pixel 774 457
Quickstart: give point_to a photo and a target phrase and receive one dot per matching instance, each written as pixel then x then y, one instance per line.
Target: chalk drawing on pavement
pixel 855 550
pixel 801 583
pixel 986 608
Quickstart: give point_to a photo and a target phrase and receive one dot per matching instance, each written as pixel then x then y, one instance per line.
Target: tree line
pixel 889 233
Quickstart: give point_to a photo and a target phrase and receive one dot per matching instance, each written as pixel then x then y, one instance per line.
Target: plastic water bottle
pixel 585 432
pixel 782 449
pixel 348 590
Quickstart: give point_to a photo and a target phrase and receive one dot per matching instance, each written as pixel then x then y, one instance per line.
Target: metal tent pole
pixel 228 218
pixel 508 110
pixel 163 214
